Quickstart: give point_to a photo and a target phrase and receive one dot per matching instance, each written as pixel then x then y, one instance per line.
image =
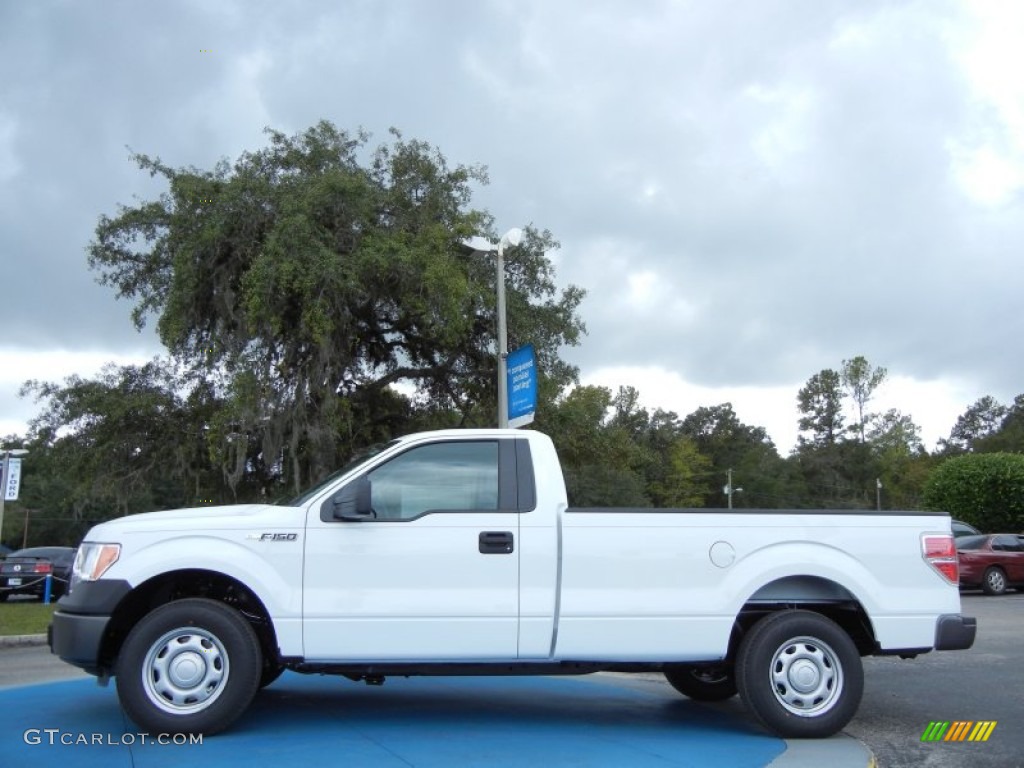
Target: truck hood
pixel 230 517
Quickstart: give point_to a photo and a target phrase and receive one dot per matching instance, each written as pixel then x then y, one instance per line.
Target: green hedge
pixel 983 489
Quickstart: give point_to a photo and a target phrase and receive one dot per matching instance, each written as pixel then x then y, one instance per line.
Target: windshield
pixel 359 458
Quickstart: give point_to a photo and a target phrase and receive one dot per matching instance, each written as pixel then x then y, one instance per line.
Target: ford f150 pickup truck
pixel 455 552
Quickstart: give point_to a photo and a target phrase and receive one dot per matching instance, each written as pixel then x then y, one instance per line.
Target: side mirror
pixel 352 503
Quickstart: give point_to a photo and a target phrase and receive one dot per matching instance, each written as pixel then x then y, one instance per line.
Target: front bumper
pixel 81 620
pixel 954 632
pixel 77 639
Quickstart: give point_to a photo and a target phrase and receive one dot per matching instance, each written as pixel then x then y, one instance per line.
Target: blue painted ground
pixel 423 722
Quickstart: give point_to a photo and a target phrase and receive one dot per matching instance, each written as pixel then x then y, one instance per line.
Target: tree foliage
pixel 986 490
pixel 599 456
pixel 901 462
pixel 728 443
pixel 981 419
pixel 861 379
pixel 304 282
pixel 126 439
pixel 842 466
pixel 820 402
pixel 1009 437
pixel 685 479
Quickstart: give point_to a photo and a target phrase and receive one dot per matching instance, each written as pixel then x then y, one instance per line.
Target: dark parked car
pixel 960 528
pixel 24 572
pixel 993 562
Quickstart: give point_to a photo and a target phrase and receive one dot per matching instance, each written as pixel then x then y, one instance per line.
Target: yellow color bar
pixel 982 730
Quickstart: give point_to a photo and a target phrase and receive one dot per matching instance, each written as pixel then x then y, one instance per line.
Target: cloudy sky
pixel 749 191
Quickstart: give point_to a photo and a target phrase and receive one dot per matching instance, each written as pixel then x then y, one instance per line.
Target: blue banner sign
pixel 521 371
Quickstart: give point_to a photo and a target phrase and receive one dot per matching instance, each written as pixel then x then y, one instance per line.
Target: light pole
pixel 8 455
pixel 729 490
pixel 510 238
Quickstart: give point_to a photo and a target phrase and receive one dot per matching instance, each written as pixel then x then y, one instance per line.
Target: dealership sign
pixel 521 370
pixel 12 483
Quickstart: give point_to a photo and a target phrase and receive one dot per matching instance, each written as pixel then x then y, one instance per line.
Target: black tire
pixel 190 666
pixel 702 683
pixel 271 671
pixel 800 674
pixel 994 581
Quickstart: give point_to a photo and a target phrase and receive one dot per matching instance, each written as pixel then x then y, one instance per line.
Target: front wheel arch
pixel 178 585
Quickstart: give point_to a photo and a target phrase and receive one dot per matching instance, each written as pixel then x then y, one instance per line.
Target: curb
pixel 838 751
pixel 9 641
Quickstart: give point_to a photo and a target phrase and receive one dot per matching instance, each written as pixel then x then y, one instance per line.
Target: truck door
pixel 431 573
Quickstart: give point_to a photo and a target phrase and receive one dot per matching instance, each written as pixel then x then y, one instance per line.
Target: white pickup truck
pixel 455 552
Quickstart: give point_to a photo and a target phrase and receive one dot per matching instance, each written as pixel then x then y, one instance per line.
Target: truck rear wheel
pixel 800 674
pixel 702 683
pixel 190 666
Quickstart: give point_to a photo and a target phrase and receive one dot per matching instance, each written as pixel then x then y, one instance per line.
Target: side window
pixel 1005 543
pixel 455 476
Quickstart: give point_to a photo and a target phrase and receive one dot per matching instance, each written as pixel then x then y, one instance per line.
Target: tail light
pixel 43 568
pixel 939 552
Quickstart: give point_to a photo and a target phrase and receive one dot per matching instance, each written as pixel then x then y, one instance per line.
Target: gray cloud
pixel 781 172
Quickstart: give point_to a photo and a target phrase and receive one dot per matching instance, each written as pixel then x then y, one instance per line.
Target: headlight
pixel 92 561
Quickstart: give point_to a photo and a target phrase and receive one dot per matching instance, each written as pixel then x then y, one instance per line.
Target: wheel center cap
pixel 188 669
pixel 803 676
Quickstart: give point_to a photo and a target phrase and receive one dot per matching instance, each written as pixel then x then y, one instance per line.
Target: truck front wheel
pixel 800 674
pixel 190 666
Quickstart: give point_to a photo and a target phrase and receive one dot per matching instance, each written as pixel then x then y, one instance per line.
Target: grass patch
pixel 21 618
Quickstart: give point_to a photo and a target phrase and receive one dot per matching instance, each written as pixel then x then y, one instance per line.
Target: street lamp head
pixel 482 245
pixel 477 244
pixel 513 237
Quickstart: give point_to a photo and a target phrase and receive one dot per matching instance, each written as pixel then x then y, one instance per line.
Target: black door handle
pixel 496 543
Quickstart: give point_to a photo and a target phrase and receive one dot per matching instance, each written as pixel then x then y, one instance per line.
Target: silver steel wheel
pixel 806 676
pixel 185 670
pixel 996 580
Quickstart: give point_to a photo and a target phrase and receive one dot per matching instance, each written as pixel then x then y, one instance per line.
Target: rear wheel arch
pixel 810 593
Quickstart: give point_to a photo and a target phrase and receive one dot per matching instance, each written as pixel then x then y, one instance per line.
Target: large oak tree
pixel 322 289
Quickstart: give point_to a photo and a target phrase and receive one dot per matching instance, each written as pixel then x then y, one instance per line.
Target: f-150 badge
pixel 272 536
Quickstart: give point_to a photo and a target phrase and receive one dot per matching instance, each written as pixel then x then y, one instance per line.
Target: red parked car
pixel 994 562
